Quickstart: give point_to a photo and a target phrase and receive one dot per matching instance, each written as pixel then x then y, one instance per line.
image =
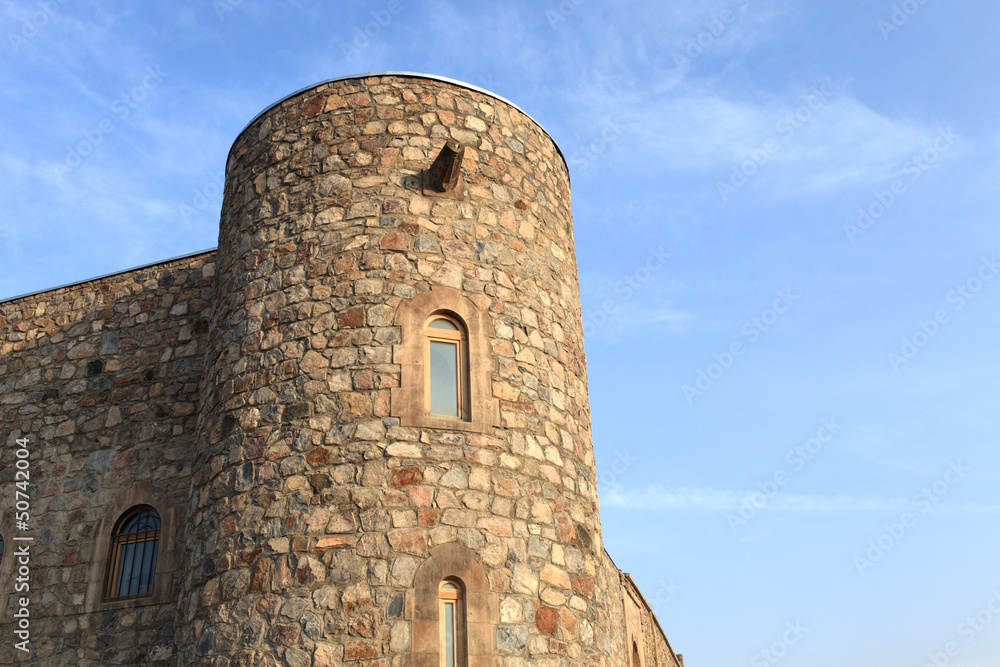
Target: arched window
pixel 446 359
pixel 451 618
pixel 636 662
pixel 133 553
pixel 1 548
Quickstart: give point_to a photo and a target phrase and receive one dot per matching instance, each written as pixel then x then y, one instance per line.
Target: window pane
pixel 443 324
pixel 140 522
pixel 145 583
pixel 140 553
pixel 125 570
pixel 449 634
pixel 152 568
pixel 444 378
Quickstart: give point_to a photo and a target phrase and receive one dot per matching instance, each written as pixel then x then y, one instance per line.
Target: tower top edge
pixel 410 75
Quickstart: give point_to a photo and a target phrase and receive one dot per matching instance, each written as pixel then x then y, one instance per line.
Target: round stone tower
pixel 394 413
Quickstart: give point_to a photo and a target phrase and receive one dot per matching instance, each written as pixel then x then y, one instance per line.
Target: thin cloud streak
pixel 659 499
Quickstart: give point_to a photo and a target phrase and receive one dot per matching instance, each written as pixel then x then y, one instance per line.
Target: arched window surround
pixel 455 563
pixel 167 557
pixel 633 604
pixel 451 620
pixel 410 401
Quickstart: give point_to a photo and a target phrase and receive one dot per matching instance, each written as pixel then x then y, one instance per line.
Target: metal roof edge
pixel 414 75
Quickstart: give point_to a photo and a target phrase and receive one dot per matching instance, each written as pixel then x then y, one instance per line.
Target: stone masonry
pixel 262 398
pixel 102 377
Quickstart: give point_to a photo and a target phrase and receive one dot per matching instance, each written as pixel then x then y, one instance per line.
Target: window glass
pixel 134 547
pixel 442 323
pixel 449 634
pixel 444 377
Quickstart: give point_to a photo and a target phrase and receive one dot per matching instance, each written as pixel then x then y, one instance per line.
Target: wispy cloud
pixel 659 499
pixel 671 319
pixel 637 298
pixel 703 122
pixel 815 142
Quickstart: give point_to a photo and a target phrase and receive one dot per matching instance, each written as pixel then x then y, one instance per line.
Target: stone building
pixel 357 433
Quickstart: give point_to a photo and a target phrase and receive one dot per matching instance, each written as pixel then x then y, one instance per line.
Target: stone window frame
pixel 167 557
pixel 458 564
pixel 634 627
pixel 410 400
pixel 6 568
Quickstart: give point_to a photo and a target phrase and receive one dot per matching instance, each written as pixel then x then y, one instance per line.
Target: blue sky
pixel 786 226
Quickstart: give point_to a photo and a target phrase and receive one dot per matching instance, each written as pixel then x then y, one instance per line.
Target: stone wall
pixel 102 378
pixel 639 625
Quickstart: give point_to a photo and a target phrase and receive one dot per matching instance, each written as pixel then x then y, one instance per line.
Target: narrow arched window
pixel 451 618
pixel 1 548
pixel 133 553
pixel 446 361
pixel 636 661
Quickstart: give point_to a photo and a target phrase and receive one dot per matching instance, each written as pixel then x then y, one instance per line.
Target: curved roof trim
pixel 412 75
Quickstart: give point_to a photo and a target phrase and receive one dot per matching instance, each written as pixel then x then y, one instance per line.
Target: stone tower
pixel 330 500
